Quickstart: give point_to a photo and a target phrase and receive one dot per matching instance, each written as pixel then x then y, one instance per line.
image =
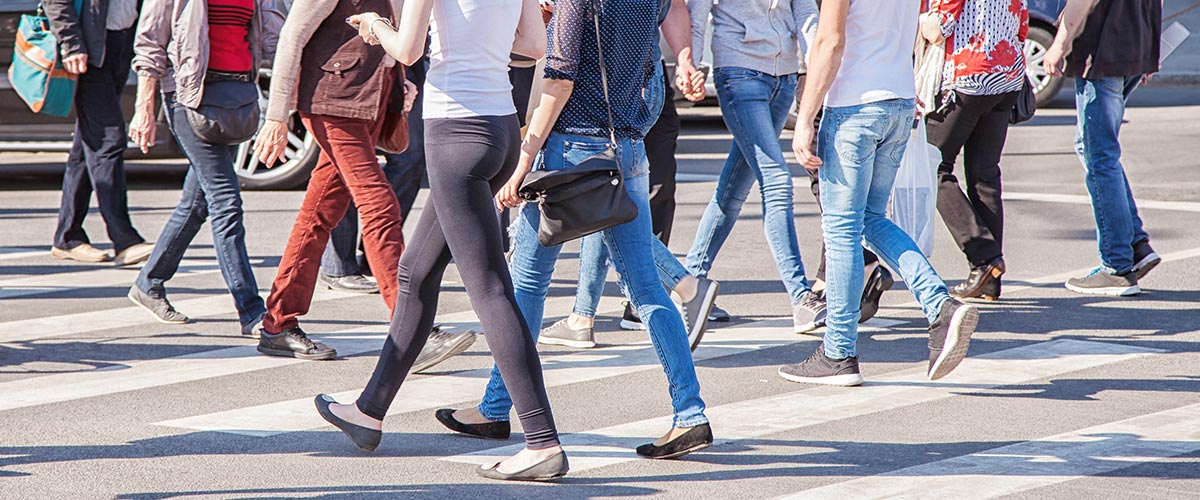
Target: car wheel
pixel 1045 86
pixel 291 172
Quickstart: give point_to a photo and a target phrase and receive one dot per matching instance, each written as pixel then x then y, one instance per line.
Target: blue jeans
pixel 1101 107
pixel 755 106
pixel 210 191
pixel 630 247
pixel 861 147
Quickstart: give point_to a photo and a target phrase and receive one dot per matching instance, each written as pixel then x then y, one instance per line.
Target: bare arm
pixel 151 63
pixel 677 30
pixel 531 31
pixel 825 60
pixel 1073 17
pixel 555 94
pixel 406 43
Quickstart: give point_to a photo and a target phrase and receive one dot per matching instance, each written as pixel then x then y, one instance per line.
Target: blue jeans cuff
pixel 492 416
pixel 690 421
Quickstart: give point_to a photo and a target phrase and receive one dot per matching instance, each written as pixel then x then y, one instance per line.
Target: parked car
pixel 22 130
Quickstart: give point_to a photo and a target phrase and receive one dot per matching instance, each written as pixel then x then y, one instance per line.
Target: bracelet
pixel 371 27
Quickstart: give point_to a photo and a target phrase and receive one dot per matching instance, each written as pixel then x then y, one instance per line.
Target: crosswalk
pixel 1160 434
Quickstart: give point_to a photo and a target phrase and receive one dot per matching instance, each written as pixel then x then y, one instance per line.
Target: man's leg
pixel 1101 107
pixel 105 152
pixel 661 144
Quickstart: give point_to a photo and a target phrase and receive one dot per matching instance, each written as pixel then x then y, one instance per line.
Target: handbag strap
pixel 612 130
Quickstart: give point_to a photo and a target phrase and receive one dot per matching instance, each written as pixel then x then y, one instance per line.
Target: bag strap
pixel 612 130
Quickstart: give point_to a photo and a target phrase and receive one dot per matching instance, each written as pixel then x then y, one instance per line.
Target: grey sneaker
pixel 561 333
pixel 442 345
pixel 823 370
pixel 355 283
pixel 162 310
pixel 950 336
pixel 1145 259
pixel 250 330
pixel 809 314
pixel 695 311
pixel 1102 283
pixel 293 343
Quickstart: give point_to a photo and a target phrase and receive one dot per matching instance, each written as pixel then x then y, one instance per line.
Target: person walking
pixel 472 135
pixel 97 45
pixel 979 89
pixel 340 85
pixel 757 50
pixel 1110 48
pixel 587 108
pixel 861 68
pixel 209 42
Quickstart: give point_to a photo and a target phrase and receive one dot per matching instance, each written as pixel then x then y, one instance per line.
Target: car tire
pixel 292 172
pixel 1039 40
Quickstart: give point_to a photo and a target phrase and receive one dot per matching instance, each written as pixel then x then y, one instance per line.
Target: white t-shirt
pixel 877 64
pixel 470 42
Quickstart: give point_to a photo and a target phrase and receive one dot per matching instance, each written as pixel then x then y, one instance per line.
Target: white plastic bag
pixel 930 59
pixel 914 196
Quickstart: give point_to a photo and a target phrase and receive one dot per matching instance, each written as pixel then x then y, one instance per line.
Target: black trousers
pixel 96 162
pixel 469 160
pixel 660 152
pixel 977 126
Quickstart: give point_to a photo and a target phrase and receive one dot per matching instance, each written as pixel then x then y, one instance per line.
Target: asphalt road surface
pixel 1064 396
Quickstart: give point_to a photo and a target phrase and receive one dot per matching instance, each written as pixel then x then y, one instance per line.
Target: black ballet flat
pixel 363 437
pixel 695 439
pixel 492 430
pixel 549 469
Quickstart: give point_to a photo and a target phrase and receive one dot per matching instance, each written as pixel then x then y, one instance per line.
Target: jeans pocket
pixel 575 152
pixel 726 76
pixel 858 137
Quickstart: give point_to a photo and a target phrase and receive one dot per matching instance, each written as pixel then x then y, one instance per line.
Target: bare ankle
pixel 686 288
pixel 578 322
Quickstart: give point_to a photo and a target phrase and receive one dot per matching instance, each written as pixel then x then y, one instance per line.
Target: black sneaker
pixel 630 319
pixel 1102 283
pixel 950 336
pixel 162 310
pixel 442 345
pixel 823 370
pixel 355 283
pixel 695 311
pixel 718 315
pixel 878 281
pixel 561 333
pixel 293 343
pixel 1144 258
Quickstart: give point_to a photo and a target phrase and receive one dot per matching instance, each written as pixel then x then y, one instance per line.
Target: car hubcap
pixel 1034 54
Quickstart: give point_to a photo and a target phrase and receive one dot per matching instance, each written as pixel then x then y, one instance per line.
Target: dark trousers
pixel 469 160
pixel 977 126
pixel 404 171
pixel 96 162
pixel 210 192
pixel 660 152
pixel 347 170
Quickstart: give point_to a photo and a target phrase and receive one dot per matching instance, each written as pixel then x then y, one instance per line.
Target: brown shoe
pixel 136 254
pixel 82 252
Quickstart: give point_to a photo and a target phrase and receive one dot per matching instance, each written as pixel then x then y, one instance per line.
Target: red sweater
pixel 228 32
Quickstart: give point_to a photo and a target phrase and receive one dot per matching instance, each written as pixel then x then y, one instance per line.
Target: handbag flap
pixel 601 166
pixel 229 94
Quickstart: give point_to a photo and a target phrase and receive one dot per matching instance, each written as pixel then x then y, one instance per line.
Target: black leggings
pixel 977 126
pixel 468 160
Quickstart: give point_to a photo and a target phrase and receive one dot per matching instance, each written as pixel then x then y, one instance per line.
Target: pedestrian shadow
pixel 454 491
pixel 36 357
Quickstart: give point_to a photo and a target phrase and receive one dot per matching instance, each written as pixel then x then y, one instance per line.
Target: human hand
pixel 364 22
pixel 1052 62
pixel 143 130
pixel 690 81
pixel 508 196
pixel 804 144
pixel 547 10
pixel 410 95
pixel 271 142
pixel 76 64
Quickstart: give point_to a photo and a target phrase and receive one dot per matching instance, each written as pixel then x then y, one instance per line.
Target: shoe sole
pixel 152 313
pixel 878 284
pixel 293 354
pixel 837 380
pixel 680 453
pixel 134 262
pixel 631 325
pixel 1115 291
pixel 1147 264
pixel 66 255
pixel 807 328
pixel 962 326
pixel 697 333
pixel 578 344
pixel 464 342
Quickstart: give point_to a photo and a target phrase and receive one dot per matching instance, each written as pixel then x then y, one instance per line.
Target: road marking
pixel 819 405
pixel 14 253
pixel 419 394
pixel 1032 464
pixel 103 275
pixel 1073 199
pixel 204 365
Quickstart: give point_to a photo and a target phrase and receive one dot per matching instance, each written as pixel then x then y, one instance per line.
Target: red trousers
pixel 347 170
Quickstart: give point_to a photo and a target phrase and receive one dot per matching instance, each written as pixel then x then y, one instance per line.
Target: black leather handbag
pixel 587 198
pixel 228 112
pixel 1026 105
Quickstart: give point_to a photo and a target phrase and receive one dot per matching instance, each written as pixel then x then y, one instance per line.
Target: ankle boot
pixel 983 282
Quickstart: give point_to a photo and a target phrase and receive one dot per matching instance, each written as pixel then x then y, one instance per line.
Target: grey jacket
pixel 762 35
pixel 172 44
pixel 79 32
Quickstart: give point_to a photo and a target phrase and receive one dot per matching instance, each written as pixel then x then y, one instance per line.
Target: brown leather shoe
pixel 982 283
pixel 82 252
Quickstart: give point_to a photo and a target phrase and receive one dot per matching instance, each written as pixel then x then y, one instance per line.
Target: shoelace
pixel 303 339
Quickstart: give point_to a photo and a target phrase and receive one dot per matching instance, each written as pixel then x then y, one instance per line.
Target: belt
pixel 225 76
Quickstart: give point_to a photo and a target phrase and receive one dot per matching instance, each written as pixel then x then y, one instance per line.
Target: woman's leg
pixel 981 159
